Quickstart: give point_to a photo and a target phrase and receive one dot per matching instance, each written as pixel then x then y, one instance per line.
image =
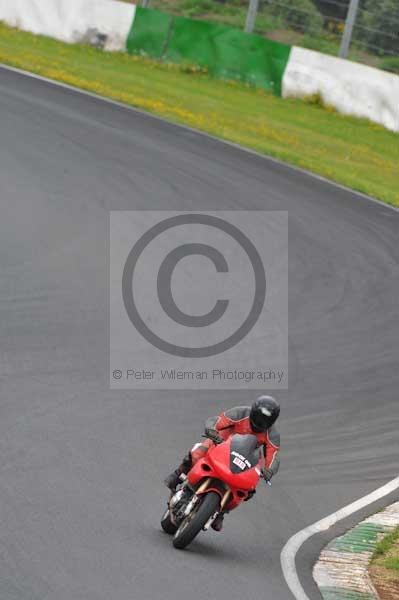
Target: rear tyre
pixel 166 523
pixel 192 525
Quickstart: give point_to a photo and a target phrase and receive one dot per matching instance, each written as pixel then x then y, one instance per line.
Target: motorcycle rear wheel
pixel 190 527
pixel 166 523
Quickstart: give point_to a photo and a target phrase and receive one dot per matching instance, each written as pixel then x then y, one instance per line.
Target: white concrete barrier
pixel 72 20
pixel 351 88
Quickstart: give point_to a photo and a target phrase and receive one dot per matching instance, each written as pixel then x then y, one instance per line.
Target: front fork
pixel 174 500
pixel 225 498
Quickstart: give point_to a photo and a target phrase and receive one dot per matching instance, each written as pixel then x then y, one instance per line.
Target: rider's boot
pixel 172 480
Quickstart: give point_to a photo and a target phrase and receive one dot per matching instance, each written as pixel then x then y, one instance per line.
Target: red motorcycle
pixel 226 476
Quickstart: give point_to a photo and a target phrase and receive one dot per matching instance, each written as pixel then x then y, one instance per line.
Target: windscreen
pixel 244 453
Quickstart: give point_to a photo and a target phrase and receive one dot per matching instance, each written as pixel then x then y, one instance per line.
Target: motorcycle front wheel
pixel 192 525
pixel 166 523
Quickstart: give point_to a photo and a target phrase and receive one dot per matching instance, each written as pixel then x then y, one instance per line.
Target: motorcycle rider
pixel 257 419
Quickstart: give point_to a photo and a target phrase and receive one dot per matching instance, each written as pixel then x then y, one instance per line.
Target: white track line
pixel 291 548
pixel 199 132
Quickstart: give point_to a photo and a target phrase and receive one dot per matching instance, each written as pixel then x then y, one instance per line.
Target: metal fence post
pixel 145 3
pixel 349 23
pixel 251 16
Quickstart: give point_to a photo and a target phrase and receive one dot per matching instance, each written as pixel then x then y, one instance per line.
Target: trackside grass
pixel 387 552
pixel 354 152
pixel 384 568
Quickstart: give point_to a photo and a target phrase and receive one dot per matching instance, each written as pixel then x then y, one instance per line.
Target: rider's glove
pixel 250 494
pixel 267 474
pixel 213 435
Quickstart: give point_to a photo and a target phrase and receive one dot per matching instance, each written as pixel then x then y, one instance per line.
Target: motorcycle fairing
pixel 216 466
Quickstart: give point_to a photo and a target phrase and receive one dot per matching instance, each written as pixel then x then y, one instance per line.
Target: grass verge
pixel 354 152
pixel 387 551
pixel 384 569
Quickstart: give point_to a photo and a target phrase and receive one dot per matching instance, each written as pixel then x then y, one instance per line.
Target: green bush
pixel 390 64
pixel 300 15
pixel 197 7
pixel 377 26
pixel 320 43
pixel 266 22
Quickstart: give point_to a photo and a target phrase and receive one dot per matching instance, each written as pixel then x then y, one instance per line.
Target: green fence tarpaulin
pixel 149 32
pixel 225 52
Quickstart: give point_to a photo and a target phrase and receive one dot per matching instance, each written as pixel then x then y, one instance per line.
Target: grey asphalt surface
pixel 81 466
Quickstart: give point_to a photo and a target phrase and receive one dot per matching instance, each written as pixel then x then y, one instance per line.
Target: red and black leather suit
pixel 236 420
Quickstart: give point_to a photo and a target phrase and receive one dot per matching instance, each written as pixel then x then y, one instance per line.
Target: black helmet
pixel 264 412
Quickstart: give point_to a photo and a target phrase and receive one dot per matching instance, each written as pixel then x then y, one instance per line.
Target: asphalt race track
pixel 81 467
